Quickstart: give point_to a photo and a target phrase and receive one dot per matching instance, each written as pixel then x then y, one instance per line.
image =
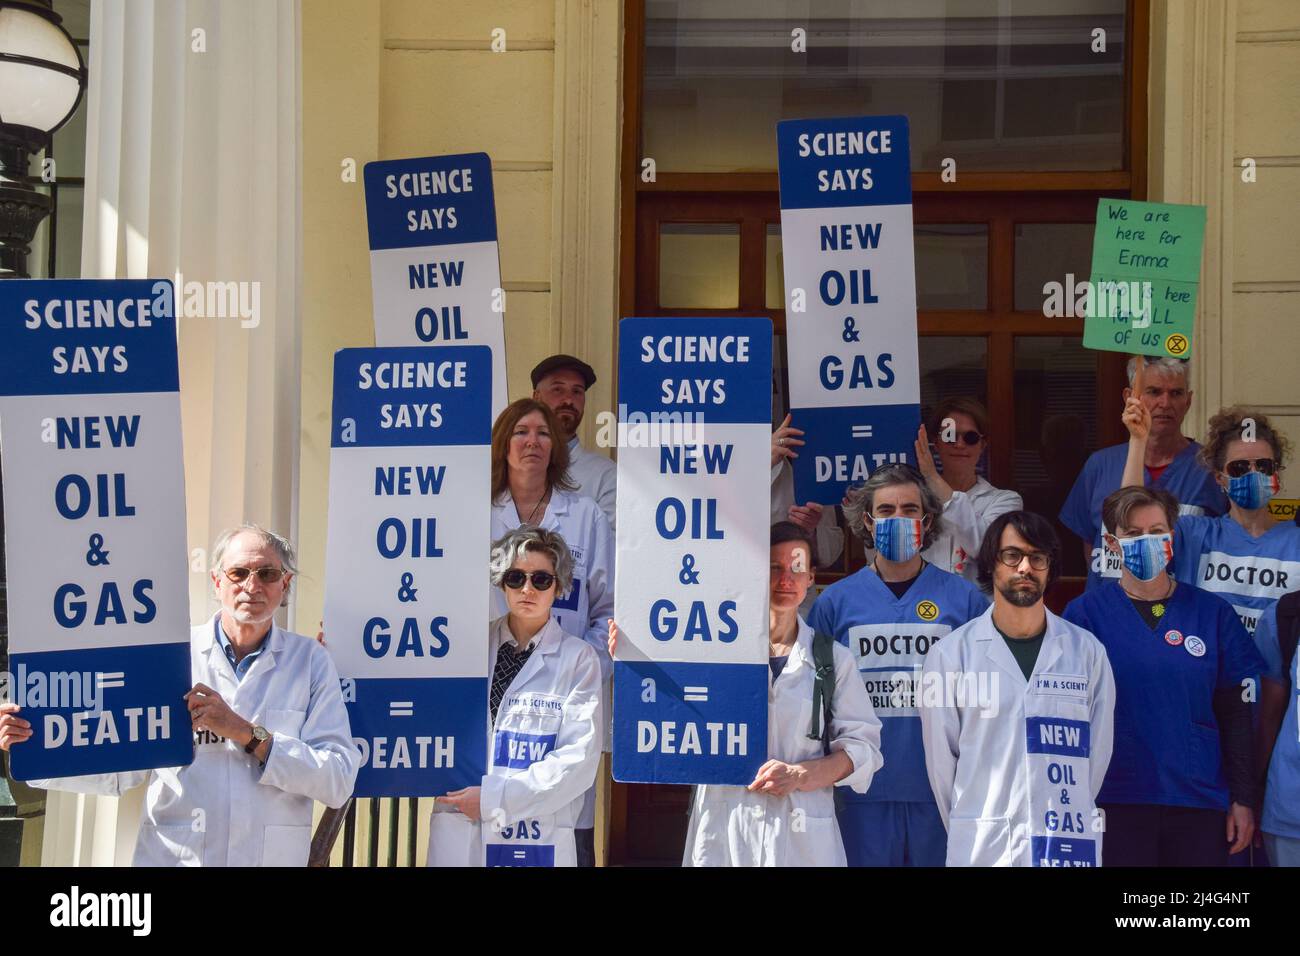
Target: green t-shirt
pixel 1025 649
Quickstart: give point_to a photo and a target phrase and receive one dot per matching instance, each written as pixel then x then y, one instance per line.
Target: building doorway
pixel 1037 124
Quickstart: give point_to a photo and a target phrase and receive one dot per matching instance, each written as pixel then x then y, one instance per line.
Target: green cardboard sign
pixel 1146 267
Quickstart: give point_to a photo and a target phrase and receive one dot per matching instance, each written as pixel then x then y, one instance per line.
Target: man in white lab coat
pixel 561 382
pixel 1016 714
pixel 271 732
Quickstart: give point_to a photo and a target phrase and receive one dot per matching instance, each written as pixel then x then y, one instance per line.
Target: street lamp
pixel 42 78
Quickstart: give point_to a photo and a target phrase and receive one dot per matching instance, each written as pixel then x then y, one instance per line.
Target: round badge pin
pixel 1195 646
pixel 1174 637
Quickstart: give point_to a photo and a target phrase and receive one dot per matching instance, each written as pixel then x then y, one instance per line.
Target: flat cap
pixel 546 366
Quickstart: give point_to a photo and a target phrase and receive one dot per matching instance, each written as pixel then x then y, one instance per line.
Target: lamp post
pixel 42 78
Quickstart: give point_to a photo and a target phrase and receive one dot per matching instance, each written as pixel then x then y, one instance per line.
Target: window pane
pixel 67 254
pixel 1048 252
pixel 953 365
pixel 998 85
pixel 1056 427
pixel 774 268
pixel 952 266
pixel 699 265
pixel 70 145
pixel 76 18
pixel 39 258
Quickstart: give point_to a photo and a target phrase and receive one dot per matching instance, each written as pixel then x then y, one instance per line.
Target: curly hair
pixel 1229 425
pixel 859 500
pixel 514 544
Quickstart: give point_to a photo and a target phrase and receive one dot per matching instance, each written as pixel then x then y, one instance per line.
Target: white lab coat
pixel 966 517
pixel 995 793
pixel 596 477
pixel 730 826
pixel 545 748
pixel 582 525
pixel 223 809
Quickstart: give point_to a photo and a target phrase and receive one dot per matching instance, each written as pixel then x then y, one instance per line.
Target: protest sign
pixel 850 282
pixel 690 671
pixel 435 271
pixel 406 610
pixel 1146 266
pixel 94 507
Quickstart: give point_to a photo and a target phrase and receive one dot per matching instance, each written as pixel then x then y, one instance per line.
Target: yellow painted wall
pixel 1262 336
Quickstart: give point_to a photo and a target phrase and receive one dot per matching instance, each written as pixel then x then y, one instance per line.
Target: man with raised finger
pixel 271 732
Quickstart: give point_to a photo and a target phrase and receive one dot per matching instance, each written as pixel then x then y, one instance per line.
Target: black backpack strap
pixel 1288 629
pixel 823 652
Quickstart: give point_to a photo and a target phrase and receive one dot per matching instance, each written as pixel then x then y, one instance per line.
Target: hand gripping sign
pixel 850 283
pixel 94 507
pixel 434 267
pixel 690 672
pixel 406 614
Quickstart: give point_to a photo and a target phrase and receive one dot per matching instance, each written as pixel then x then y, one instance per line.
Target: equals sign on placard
pixel 861 431
pixel 401 708
pixel 695 693
pixel 105 680
pixel 520 855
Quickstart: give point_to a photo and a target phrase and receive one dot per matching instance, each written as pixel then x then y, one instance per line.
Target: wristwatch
pixel 260 733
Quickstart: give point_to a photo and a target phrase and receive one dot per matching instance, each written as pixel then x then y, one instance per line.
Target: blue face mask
pixel 897 538
pixel 1147 555
pixel 1252 490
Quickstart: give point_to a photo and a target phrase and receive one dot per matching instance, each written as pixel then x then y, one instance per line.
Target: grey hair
pixel 514 544
pixel 284 551
pixel 859 500
pixel 1162 363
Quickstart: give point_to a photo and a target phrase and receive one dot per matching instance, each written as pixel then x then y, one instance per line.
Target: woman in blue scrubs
pixel 1245 556
pixel 1181 788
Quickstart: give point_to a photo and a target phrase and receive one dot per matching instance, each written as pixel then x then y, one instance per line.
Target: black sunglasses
pixel 971 437
pixel 266 575
pixel 1242 466
pixel 515 578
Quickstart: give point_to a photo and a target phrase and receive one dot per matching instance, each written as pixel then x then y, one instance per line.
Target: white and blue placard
pixel 850 282
pixel 435 272
pixel 690 670
pixel 94 507
pixel 406 613
pixel 1058 751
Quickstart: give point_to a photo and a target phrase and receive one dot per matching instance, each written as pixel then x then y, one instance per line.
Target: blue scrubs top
pixel 1166 735
pixel 1219 555
pixel 1194 487
pixel 1282 792
pixel 890 637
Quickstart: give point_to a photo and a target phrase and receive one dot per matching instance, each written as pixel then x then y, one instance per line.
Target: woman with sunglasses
pixel 1245 556
pixel 531 486
pixel 1181 787
pixel 544 722
pixel 786 816
pixel 970 503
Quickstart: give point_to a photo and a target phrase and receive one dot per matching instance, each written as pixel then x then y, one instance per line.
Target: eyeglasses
pixel 971 437
pixel 266 575
pixel 515 578
pixel 1011 557
pixel 1242 466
